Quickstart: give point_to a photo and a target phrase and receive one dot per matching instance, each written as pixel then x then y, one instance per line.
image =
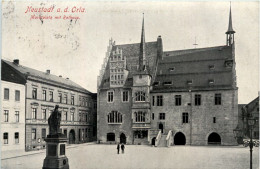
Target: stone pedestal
pixel 56 152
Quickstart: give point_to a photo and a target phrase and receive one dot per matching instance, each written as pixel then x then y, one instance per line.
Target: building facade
pixel 43 92
pixel 150 96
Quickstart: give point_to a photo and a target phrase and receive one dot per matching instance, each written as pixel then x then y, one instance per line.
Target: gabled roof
pixel 33 74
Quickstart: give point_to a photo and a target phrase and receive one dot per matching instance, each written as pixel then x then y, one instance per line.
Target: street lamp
pixel 251 123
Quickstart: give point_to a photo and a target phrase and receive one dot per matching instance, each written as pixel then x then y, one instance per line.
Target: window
pixel 167 83
pixel 80 116
pixel 177 100
pixel 140 96
pixel 162 116
pixel 156 83
pixel 159 100
pixel 33 134
pixel 43 133
pixel 34 93
pixel 153 102
pixel 197 99
pixel 34 113
pixel 214 119
pixel 125 96
pixel 44 95
pixel 65 99
pixel 140 116
pixel 6 94
pixel 153 116
pixel 217 99
pixel 110 136
pixel 72 100
pixel 185 118
pixel 65 132
pixel 114 117
pixel 171 69
pixel 86 117
pixel 71 116
pixel 66 116
pixel 51 96
pixel 44 114
pixel 16 137
pixel 110 96
pixel 60 97
pixel 17 95
pixel 16 116
pixel 5 137
pixel 6 115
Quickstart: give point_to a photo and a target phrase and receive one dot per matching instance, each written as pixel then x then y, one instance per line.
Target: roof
pixel 132 52
pixel 195 69
pixel 33 74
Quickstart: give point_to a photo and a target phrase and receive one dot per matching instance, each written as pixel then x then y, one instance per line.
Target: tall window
pixel 34 93
pixel 16 137
pixel 6 94
pixel 197 99
pixel 114 117
pixel 80 118
pixel 6 115
pixel 86 117
pixel 43 94
pixel 71 116
pixel 33 134
pixel 162 116
pixel 51 96
pixel 110 96
pixel 140 116
pixel 177 100
pixel 43 133
pixel 86 132
pixel 60 97
pixel 218 99
pixel 214 120
pixel 17 95
pixel 44 114
pixel 140 96
pixel 65 99
pixel 16 116
pixel 125 96
pixel 5 137
pixel 72 100
pixel 185 118
pixel 153 116
pixel 159 100
pixel 34 113
pixel 66 116
pixel 153 101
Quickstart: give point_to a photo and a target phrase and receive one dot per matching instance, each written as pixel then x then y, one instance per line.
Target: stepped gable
pixel 131 52
pixel 194 69
pixel 33 74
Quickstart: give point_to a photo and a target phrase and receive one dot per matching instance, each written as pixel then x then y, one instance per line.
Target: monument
pixel 55 144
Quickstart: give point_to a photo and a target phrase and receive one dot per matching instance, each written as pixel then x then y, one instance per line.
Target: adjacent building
pixel 150 96
pixel 42 92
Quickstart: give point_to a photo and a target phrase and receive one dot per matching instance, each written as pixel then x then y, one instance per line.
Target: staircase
pixel 162 142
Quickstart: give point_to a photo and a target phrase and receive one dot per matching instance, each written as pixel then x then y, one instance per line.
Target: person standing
pixel 123 148
pixel 118 148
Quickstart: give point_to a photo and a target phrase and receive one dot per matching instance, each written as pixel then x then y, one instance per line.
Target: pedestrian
pixel 123 148
pixel 118 148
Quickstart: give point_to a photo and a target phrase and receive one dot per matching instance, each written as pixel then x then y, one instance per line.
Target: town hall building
pixel 150 96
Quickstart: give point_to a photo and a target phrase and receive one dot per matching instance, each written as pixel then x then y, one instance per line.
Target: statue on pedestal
pixel 54 121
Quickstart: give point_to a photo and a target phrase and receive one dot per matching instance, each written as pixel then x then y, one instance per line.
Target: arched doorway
pixel 72 137
pixel 110 136
pixel 179 139
pixel 122 138
pixel 153 141
pixel 161 127
pixel 214 138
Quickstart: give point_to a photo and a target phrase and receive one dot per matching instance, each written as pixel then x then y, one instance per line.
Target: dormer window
pixel 171 69
pixel 189 82
pixel 167 83
pixel 211 67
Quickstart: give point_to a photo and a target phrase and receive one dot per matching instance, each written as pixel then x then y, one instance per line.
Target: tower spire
pixel 230 32
pixel 142 59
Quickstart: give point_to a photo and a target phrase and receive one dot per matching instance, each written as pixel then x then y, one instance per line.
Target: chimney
pixel 60 76
pixel 159 47
pixel 48 71
pixel 16 61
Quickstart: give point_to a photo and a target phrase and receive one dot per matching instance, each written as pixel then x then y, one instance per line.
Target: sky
pixel 76 48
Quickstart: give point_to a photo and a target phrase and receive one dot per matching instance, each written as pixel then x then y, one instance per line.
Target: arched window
pixel 140 116
pixel 114 117
pixel 140 96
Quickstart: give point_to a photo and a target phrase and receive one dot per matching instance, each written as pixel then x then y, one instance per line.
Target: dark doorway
pixel 110 136
pixel 214 138
pixel 161 127
pixel 179 139
pixel 153 141
pixel 72 137
pixel 122 138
